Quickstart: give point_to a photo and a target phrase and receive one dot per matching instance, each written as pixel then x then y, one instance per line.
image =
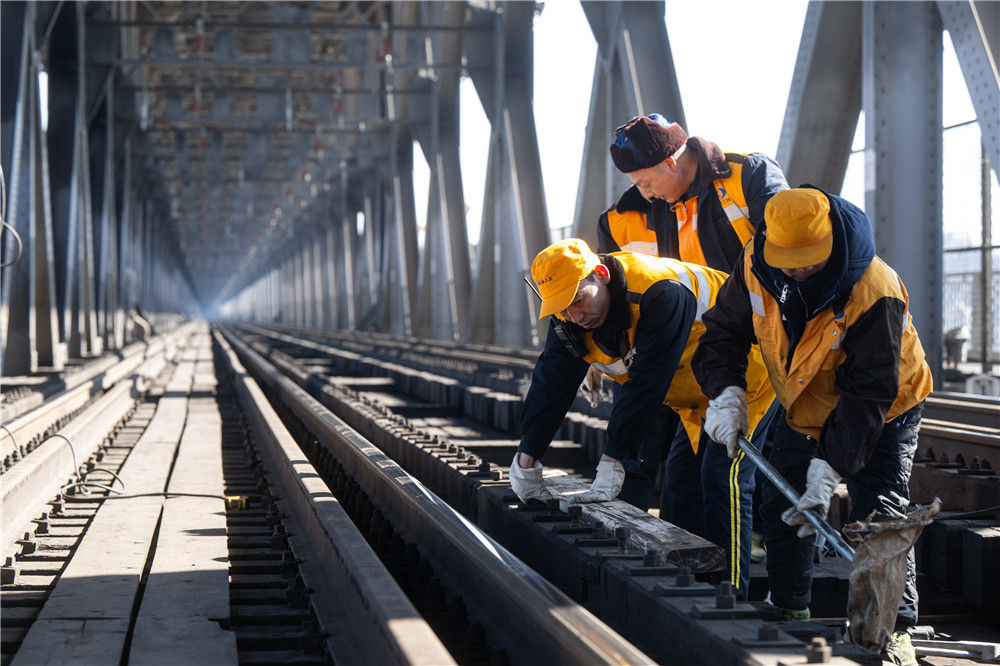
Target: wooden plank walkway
pixel 119 567
pixel 187 591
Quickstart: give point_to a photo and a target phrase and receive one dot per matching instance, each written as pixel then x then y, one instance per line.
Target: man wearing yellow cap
pixel 844 358
pixel 637 319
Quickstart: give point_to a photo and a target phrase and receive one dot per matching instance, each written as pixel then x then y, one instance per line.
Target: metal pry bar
pixel 836 540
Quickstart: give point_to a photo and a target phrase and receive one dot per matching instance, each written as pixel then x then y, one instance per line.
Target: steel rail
pixel 83 387
pixel 26 487
pixel 494 357
pixel 504 594
pixel 966 408
pixel 336 562
pixel 110 367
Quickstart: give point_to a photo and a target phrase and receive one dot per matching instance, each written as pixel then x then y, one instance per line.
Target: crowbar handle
pixel 833 536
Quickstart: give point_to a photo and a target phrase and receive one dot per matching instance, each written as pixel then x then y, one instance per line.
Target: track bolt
pixel 574 511
pixel 651 557
pixel 725 597
pixel 8 573
pixel 41 524
pixel 28 546
pixel 622 533
pixel 552 505
pixel 767 633
pixel 818 652
pixel 57 507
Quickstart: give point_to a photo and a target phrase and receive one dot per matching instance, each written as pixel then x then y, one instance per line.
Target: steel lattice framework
pixel 254 159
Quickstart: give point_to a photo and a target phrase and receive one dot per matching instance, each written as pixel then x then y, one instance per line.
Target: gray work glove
pixel 591 386
pixel 527 483
pixel 821 483
pixel 607 484
pixel 726 418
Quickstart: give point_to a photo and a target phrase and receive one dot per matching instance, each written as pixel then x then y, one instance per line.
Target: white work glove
pixel 527 483
pixel 607 484
pixel 726 418
pixel 591 386
pixel 821 482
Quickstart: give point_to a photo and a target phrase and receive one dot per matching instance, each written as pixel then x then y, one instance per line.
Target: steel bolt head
pixel 768 632
pixel 818 652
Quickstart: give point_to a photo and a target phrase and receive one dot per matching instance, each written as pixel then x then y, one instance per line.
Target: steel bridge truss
pixel 255 160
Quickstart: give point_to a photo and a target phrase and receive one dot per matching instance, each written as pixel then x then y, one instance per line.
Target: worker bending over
pixel 843 356
pixel 638 319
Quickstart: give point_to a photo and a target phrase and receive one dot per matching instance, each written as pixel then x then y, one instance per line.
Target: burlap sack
pixel 878 571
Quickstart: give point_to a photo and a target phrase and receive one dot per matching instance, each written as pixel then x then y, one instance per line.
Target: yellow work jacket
pixel 684 395
pixel 807 387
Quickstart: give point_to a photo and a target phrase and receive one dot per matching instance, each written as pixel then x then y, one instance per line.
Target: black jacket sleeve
pixel 721 357
pixel 605 241
pixel 554 383
pixel 666 312
pixel 868 383
pixel 762 178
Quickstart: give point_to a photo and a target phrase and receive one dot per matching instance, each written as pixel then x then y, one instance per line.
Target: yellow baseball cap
pixel 557 271
pixel 799 231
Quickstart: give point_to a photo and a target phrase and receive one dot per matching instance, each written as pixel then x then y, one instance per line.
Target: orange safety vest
pixel 684 395
pixel 632 234
pixel 807 388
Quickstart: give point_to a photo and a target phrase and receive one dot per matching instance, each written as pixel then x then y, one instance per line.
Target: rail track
pixel 369 478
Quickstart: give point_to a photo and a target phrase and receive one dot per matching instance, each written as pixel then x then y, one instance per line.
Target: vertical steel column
pixel 107 292
pixel 515 224
pixel 825 97
pixel 348 317
pixel 29 320
pixel 126 256
pixel 400 256
pixel 319 292
pixel 298 276
pixel 974 28
pixel 634 75
pixel 399 286
pixel 330 269
pixel 445 272
pixel 308 284
pixel 986 287
pixel 901 95
pixel 369 284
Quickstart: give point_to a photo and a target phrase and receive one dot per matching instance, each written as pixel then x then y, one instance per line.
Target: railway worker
pixel 691 201
pixel 688 200
pixel 844 358
pixel 638 319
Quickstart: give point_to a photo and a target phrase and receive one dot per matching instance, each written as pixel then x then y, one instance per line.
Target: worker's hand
pixel 607 484
pixel 726 418
pixel 821 482
pixel 592 384
pixel 527 483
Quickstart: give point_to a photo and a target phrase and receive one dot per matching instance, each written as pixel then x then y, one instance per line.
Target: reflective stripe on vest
pixel 642 247
pixel 703 293
pixel 684 394
pixel 630 231
pixel 729 190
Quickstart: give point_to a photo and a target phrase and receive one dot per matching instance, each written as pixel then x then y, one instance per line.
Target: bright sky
pixel 565 54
